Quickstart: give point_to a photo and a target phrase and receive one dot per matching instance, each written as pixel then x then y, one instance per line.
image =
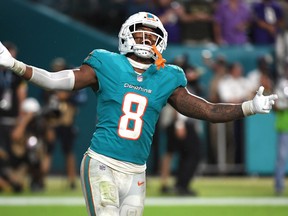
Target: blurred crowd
pixel 229 84
pixel 30 129
pixel 223 22
pixel 26 146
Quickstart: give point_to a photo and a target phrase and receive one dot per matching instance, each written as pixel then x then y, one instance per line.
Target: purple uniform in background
pixel 230 22
pixel 269 12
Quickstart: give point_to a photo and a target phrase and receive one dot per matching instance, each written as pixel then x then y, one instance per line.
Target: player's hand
pixel 6 59
pixel 259 104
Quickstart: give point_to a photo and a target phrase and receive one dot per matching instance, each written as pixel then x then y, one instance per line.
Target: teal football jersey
pixel 129 104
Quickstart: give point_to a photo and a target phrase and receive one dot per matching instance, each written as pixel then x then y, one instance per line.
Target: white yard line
pixel 151 201
pixel 216 201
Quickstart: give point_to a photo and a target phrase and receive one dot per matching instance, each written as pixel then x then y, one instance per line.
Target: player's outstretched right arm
pixel 9 62
pixel 6 60
pixel 61 80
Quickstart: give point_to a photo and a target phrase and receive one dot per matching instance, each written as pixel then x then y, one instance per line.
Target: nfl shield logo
pixel 139 78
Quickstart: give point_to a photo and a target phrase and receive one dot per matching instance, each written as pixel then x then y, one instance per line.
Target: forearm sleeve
pixel 62 80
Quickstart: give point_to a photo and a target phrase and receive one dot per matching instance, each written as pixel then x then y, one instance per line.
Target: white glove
pixel 259 104
pixel 6 59
pixel 9 62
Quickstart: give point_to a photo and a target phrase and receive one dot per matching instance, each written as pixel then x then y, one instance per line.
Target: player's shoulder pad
pixel 99 52
pixel 176 72
pixel 174 69
pixel 101 55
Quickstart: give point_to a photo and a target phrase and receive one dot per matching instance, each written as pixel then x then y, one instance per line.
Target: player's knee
pixel 132 205
pixel 128 210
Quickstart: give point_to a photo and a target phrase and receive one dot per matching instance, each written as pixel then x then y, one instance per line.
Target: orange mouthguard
pixel 160 61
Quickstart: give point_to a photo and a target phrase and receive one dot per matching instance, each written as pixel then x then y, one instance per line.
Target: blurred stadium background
pixel 42 34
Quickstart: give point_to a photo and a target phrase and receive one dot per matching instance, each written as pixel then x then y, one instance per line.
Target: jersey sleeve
pixel 93 60
pixel 180 76
pixel 100 61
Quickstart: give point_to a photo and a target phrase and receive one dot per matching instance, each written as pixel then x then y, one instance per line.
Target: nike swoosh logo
pixel 140 183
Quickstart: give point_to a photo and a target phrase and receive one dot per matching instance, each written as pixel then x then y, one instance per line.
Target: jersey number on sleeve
pixel 133 108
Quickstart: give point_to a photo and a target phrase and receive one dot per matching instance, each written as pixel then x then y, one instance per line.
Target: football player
pixel 131 88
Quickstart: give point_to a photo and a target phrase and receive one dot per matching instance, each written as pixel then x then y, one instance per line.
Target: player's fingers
pixel 267 107
pixel 260 91
pixel 273 97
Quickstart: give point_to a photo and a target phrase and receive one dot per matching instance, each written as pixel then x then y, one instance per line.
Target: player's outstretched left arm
pixel 197 107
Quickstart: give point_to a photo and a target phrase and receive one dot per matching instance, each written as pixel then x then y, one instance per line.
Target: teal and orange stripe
pixel 87 185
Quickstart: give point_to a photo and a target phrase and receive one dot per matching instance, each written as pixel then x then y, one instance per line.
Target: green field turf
pixel 205 186
pixel 153 211
pixel 216 211
pixel 248 196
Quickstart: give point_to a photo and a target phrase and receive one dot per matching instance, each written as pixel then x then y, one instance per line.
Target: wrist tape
pixel 247 108
pixel 19 67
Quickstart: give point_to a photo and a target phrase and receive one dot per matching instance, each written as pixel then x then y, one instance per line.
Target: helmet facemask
pixel 144 41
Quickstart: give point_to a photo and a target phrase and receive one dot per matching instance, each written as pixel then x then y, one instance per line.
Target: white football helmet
pixel 127 43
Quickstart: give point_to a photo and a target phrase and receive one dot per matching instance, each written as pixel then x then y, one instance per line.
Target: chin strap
pixel 159 61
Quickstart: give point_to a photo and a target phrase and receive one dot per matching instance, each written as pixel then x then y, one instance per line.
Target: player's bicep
pixel 85 77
